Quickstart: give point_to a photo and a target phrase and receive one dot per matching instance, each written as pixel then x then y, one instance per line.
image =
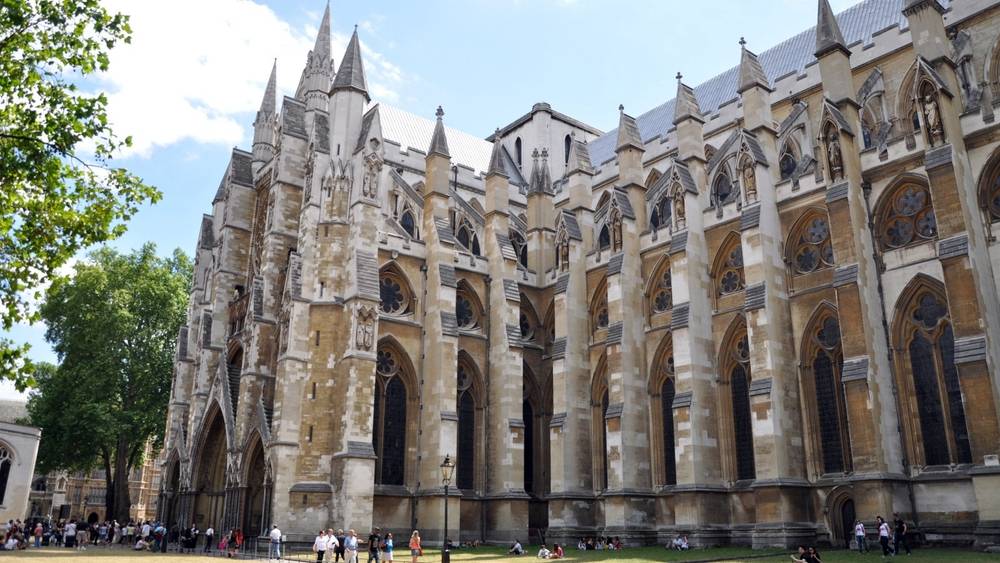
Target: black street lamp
pixel 447 468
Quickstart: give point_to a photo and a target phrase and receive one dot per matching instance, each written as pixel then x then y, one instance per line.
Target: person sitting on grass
pixel 516 549
pixel 617 543
pixel 557 553
pixel 544 552
pixel 141 545
pixel 581 545
pixel 807 555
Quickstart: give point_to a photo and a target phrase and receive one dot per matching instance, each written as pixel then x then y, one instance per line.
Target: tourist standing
pixel 883 535
pixel 209 538
pixel 274 546
pixel 860 536
pixel 146 529
pixel 899 534
pixel 339 552
pixel 388 546
pixel 71 534
pixel 415 549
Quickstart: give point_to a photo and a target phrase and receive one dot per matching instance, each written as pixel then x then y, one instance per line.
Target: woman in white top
pixel 883 535
pixel 319 546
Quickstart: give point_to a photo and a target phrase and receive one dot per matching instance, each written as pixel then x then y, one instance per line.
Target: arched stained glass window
pixel 466 464
pixel 528 416
pixel 827 366
pixel 723 189
pixel 605 401
pixel 395 297
pixel 408 223
pixel 6 461
pixel 667 393
pixel 730 271
pixel 736 363
pixel 662 296
pixel 604 239
pixel 906 217
pixel 812 248
pixel 389 415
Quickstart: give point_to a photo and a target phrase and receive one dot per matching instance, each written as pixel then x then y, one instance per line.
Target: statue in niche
pixel 616 231
pixel 373 166
pixel 562 251
pixel 680 220
pixel 749 179
pixel 835 157
pixel 932 118
pixel 308 180
pixel 365 337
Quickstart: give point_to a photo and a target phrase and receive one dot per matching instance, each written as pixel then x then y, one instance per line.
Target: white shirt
pixel 859 529
pixel 210 531
pixel 320 543
pixel 71 530
pixel 544 553
pixel 883 530
pixel 275 535
pixel 331 542
pixel 145 530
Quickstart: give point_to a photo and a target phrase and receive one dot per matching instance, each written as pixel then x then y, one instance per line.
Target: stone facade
pixel 18 450
pixel 749 315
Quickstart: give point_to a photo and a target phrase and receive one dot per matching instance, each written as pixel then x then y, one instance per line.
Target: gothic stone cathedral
pixel 751 314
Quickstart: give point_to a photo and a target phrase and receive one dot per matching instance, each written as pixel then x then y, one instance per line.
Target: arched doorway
pixel 210 478
pixel 173 494
pixel 253 512
pixel 847 517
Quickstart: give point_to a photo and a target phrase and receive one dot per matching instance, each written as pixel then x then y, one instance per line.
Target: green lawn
pixel 498 555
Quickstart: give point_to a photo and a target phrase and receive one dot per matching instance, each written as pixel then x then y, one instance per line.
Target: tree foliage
pixel 59 192
pixel 113 325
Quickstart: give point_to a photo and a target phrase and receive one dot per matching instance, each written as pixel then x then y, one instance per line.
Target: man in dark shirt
pixel 899 534
pixel 374 539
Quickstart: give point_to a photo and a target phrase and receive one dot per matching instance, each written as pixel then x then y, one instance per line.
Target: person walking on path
pixel 319 546
pixel 388 546
pixel 374 539
pixel 274 546
pixel 333 547
pixel 899 534
pixel 209 538
pixel 415 549
pixel 351 547
pixel 883 535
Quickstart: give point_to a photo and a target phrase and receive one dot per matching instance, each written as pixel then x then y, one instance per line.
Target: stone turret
pixel 263 124
pixel 318 72
pixel 351 74
pixel 348 99
pixel 754 89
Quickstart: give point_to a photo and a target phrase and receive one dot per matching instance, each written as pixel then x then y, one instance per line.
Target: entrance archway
pixel 173 494
pixel 847 517
pixel 210 478
pixel 253 512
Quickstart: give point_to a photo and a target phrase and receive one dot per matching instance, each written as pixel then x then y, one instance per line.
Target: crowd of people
pixel 340 545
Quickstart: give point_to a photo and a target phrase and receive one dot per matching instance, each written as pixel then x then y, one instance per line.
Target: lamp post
pixel 447 468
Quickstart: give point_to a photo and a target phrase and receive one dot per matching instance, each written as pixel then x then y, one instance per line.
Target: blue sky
pixel 189 84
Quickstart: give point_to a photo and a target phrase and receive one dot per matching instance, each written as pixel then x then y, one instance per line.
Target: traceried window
pixel 787 163
pixel 389 416
pixel 394 294
pixel 466 463
pixel 659 215
pixel 738 371
pixel 930 350
pixel 729 277
pixel 906 217
pixel 812 249
pixel 468 313
pixel 827 364
pixel 667 394
pixel 723 189
pixel 517 151
pixel 604 238
pixel 567 141
pixel 605 402
pixel 468 238
pixel 520 248
pixel 528 416
pixel 6 461
pixel 989 191
pixel 663 297
pixel 408 223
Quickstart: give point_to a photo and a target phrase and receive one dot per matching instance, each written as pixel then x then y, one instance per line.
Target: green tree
pixel 113 325
pixel 59 192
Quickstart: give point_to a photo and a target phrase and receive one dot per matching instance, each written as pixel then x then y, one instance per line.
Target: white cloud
pixel 185 78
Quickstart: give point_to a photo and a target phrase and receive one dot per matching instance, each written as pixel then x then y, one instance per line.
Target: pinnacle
pixel 351 74
pixel 828 35
pixel 751 73
pixel 268 104
pixel 439 141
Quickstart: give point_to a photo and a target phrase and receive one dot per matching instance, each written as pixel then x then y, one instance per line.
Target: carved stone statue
pixel 308 180
pixel 369 185
pixel 365 337
pixel 932 119
pixel 680 220
pixel 562 250
pixel 749 179
pixel 616 231
pixel 835 157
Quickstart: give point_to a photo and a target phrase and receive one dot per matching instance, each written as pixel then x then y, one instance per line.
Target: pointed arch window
pixel 906 216
pixel 466 406
pixel 660 214
pixel 567 141
pixel 520 247
pixel 723 189
pixel 468 238
pixel 826 361
pixel 662 296
pixel 604 238
pixel 810 243
pixel 667 392
pixel 395 297
pixel 409 223
pixel 729 275
pixel 389 416
pixel 517 151
pixel 528 416
pixel 929 343
pixel 599 309
pixel 989 190
pixel 6 462
pixel 736 370
pixel 467 310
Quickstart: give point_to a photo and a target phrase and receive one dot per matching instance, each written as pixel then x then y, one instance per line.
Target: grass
pixel 498 555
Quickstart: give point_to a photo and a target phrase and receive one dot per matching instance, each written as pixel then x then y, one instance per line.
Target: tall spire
pixel 828 36
pixel 751 73
pixel 628 131
pixel 268 104
pixel 496 167
pixel 351 75
pixel 685 104
pixel 314 83
pixel 439 142
pixel 321 48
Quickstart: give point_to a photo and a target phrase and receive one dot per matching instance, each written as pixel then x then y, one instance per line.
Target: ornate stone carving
pixel 932 120
pixel 562 250
pixel 834 157
pixel 616 229
pixel 677 197
pixel 308 181
pixel 373 170
pixel 749 176
pixel 365 333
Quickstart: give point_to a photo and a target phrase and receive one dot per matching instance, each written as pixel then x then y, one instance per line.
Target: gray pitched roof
pixel 858 24
pixel 828 36
pixel 628 132
pixel 572 227
pixel 351 74
pixel 439 142
pixel 242 172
